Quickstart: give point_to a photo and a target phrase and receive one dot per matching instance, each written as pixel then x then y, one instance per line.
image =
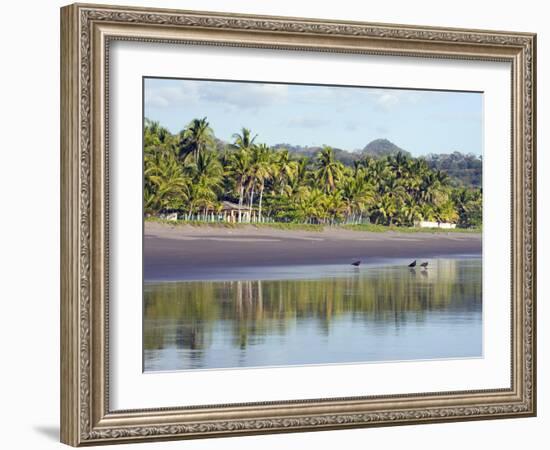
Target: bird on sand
pixel 356 263
pixel 424 265
pixel 413 264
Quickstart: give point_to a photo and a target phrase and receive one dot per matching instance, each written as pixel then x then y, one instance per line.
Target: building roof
pixel 226 206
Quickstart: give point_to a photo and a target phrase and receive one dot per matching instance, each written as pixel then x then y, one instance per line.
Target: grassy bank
pixel 312 227
pixel 384 228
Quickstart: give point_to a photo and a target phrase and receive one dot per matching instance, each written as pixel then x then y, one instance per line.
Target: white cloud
pixel 382 99
pixel 231 96
pixel 226 95
pixel 243 96
pixel 387 101
pixel 169 95
pixel 307 122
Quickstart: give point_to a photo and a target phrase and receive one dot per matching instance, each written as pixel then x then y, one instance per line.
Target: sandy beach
pixel 175 252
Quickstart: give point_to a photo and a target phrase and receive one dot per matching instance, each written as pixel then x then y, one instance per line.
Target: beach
pixel 177 252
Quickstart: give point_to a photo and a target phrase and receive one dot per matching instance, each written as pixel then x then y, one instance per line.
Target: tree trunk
pixel 251 201
pixel 260 204
pixel 241 194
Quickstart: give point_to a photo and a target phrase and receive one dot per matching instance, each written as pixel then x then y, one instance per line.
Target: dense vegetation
pixel 192 173
pixel 465 170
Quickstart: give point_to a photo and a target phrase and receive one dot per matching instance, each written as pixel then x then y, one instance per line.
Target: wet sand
pixel 183 252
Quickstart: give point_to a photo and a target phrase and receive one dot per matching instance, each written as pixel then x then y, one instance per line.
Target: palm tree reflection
pixel 187 315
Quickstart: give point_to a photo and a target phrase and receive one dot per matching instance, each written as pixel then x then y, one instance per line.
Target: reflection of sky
pixel 377 313
pixel 349 118
pixel 442 335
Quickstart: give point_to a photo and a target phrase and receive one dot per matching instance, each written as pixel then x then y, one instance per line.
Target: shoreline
pixel 290 226
pixel 179 252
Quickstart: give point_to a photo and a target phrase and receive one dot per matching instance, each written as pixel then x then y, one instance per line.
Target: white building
pixel 428 224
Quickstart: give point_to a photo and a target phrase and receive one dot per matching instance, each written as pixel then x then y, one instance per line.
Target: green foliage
pixel 187 173
pixel 466 170
pixel 270 225
pixel 469 207
pixel 197 137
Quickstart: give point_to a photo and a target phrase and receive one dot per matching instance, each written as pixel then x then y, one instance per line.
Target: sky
pixel 418 121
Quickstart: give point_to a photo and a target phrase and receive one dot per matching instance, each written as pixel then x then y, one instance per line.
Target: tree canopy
pixel 192 173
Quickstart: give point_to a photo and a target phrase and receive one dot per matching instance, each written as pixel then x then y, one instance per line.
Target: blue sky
pixel 344 117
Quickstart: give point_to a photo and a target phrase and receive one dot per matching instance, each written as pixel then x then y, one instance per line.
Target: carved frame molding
pixel 86 32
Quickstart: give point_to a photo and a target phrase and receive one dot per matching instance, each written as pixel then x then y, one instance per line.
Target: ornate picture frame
pixel 87 31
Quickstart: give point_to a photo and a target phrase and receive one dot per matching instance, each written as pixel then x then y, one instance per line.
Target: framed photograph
pixel 276 224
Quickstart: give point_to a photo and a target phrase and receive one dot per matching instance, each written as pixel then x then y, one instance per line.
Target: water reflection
pixel 366 314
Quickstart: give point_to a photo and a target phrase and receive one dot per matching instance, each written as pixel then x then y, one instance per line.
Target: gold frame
pixel 86 31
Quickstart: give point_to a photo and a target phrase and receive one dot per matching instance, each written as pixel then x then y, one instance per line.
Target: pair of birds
pixel 424 265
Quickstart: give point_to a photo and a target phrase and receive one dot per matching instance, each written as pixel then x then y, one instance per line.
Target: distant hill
pixel 382 147
pixel 378 148
pixel 464 169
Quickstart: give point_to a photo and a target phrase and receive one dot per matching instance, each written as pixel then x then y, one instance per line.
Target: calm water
pixel 315 315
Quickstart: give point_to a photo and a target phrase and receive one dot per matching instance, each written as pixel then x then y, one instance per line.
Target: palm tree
pixel 377 171
pixel 335 207
pixel 446 212
pixel 329 169
pixel 284 168
pixel 207 175
pixel 427 211
pixel 311 205
pixel 299 177
pixel 387 208
pixel 394 190
pixel 244 140
pixel 262 169
pixel 409 213
pixel 356 194
pixel 239 169
pixel 166 186
pixel 399 164
pixel 196 138
pixel 245 143
pixel 468 204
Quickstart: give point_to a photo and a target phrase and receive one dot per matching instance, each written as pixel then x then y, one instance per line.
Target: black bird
pixel 424 265
pixel 356 263
pixel 413 264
